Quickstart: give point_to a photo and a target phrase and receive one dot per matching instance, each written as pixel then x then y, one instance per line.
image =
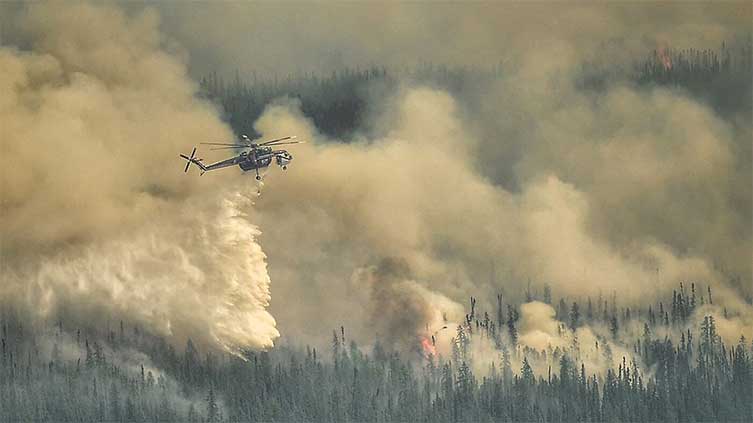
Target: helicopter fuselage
pixel 255 159
pixel 258 157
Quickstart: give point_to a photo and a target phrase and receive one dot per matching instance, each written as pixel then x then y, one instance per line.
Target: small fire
pixel 666 61
pixel 428 348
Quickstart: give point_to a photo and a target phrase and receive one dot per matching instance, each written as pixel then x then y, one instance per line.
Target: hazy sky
pixel 323 36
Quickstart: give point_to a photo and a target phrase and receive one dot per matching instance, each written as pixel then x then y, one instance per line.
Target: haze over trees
pixel 544 220
pixel 672 363
pixel 340 103
pixel 673 371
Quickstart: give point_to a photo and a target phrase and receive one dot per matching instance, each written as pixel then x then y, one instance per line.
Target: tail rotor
pixel 189 160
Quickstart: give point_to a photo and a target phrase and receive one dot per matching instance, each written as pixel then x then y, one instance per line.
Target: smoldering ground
pixel 621 190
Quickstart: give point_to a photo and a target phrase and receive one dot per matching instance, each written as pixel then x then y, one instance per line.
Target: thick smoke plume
pixel 403 311
pixel 618 190
pixel 541 331
pixel 98 220
pixel 415 194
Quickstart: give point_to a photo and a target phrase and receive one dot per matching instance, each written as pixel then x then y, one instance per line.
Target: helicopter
pixel 259 155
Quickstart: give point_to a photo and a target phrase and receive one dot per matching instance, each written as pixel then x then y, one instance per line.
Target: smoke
pixel 324 37
pixel 540 331
pixel 401 309
pixel 415 194
pixel 538 327
pixel 99 222
pixel 729 325
pixel 622 189
pixel 655 165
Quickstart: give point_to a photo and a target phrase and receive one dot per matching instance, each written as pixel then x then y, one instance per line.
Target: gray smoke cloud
pixel 98 220
pixel 401 310
pixel 622 190
pixel 296 37
pixel 415 194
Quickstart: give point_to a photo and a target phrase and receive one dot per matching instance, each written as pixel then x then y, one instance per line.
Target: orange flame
pixel 428 349
pixel 666 61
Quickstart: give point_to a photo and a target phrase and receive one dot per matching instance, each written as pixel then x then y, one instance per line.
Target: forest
pixel 52 372
pixel 339 103
pixel 612 361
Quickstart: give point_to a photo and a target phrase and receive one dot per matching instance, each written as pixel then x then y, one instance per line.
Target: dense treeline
pixel 721 77
pixel 65 373
pixel 340 103
pixel 60 374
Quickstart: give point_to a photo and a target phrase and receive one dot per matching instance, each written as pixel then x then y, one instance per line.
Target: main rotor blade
pixel 278 139
pixel 229 148
pixel 284 143
pixel 219 143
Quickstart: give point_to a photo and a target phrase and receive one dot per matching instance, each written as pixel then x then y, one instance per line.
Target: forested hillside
pixel 606 360
pixel 339 104
pixel 674 370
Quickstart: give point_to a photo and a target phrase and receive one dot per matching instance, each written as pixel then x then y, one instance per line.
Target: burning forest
pixel 497 215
